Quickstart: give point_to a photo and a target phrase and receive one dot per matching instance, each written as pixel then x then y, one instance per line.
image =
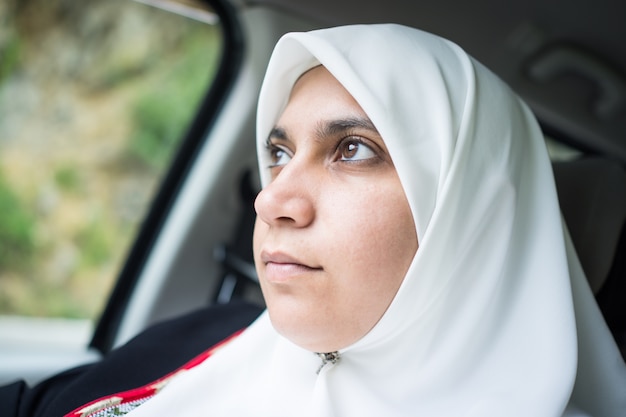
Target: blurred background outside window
pixel 95 97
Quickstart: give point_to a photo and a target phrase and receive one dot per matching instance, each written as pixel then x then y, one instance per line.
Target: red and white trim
pixel 124 402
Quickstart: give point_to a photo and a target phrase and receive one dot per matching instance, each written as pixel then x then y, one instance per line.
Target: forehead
pixel 317 94
pixel 317 74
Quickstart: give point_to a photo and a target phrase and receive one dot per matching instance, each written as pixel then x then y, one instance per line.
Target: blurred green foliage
pixel 162 115
pixel 16 230
pixel 9 56
pixel 95 241
pixel 67 177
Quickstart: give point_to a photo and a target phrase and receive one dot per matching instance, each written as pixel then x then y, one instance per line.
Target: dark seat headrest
pixel 592 195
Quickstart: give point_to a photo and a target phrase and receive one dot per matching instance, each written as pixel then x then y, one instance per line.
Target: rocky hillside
pixel 94 97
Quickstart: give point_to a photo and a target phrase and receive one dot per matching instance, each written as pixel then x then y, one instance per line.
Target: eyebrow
pixel 277 133
pixel 330 128
pixel 335 127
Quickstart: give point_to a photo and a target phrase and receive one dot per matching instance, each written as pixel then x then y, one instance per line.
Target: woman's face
pixel 334 234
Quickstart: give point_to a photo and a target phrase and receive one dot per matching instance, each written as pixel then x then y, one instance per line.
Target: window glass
pixel 95 97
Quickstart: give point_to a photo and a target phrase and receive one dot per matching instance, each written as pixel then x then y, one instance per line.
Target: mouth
pixel 281 267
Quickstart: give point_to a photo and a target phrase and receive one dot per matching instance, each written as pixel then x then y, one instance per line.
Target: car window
pixel 95 97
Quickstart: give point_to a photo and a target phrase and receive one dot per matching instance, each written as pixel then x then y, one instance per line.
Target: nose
pixel 286 201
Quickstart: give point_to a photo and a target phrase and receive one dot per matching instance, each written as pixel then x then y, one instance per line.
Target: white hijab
pixel 494 317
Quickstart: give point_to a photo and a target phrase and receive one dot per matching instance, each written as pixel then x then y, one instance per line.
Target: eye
pixel 279 156
pixel 353 149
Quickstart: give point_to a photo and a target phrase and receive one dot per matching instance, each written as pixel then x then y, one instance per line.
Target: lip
pixel 281 267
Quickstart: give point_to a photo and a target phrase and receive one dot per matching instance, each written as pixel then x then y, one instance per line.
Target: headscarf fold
pixel 494 317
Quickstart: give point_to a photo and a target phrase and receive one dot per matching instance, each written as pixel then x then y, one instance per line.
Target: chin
pixel 311 336
pixel 304 328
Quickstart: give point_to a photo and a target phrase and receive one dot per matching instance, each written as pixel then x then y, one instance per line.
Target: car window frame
pixel 230 63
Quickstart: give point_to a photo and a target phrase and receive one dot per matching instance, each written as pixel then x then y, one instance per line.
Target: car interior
pixel 564 58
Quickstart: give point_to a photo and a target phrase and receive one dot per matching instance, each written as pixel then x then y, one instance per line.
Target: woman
pixel 409 246
pixel 408 233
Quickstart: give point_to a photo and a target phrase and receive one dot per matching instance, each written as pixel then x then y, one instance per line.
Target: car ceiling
pixel 565 58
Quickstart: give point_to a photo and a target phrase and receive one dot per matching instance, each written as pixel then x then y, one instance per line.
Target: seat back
pixel 592 195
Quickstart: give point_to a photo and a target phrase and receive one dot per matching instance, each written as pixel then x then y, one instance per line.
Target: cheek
pixel 260 231
pixel 377 229
pixel 373 242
